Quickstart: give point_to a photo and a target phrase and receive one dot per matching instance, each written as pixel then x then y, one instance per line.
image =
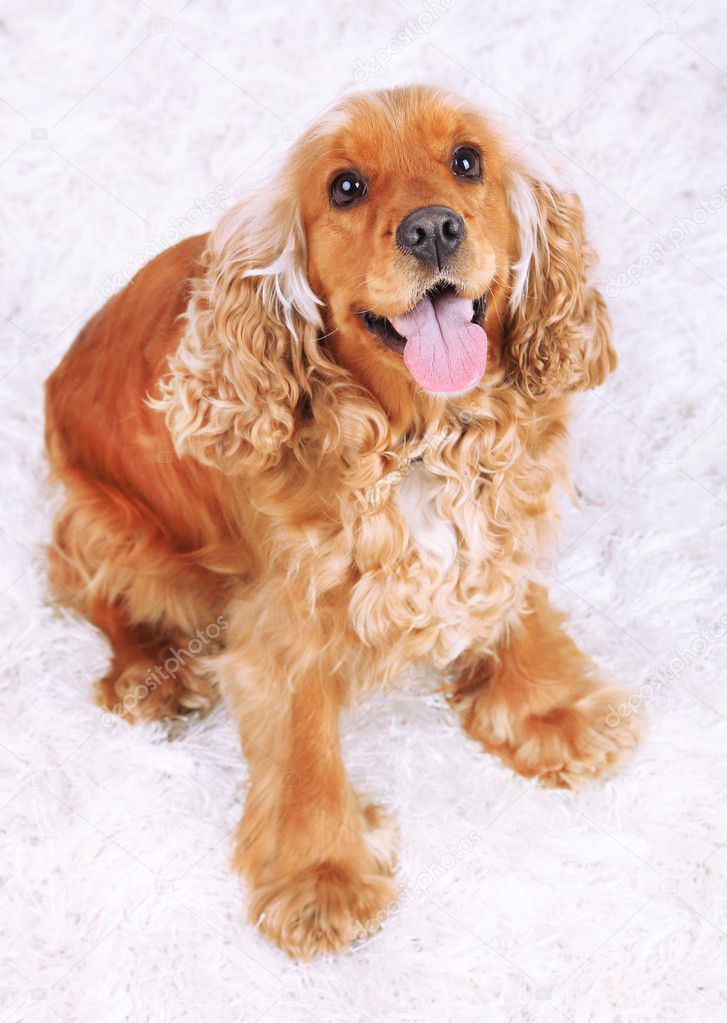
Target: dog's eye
pixel 467 163
pixel 347 188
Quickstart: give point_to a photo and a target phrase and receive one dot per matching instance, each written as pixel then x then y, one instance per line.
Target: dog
pixel 323 444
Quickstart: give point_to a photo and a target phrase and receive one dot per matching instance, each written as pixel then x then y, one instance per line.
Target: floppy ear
pixel 558 334
pixel 239 378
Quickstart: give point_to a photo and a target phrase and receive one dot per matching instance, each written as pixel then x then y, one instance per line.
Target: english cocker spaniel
pixel 322 444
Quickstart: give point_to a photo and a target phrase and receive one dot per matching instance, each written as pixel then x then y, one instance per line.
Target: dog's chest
pixel 415 593
pixel 419 498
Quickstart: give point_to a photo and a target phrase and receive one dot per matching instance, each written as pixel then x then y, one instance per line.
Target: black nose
pixel 431 233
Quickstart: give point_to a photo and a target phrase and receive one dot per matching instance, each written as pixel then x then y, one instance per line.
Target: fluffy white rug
pixel 125 126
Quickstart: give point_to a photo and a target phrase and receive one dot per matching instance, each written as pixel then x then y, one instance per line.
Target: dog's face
pixel 409 240
pixel 406 246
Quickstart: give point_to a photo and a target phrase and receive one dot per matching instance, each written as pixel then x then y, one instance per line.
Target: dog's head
pixel 404 209
pixel 408 243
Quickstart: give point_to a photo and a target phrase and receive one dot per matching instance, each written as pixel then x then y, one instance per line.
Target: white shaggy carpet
pixel 124 126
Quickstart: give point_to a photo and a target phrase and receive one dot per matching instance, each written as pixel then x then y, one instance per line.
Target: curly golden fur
pixel 236 445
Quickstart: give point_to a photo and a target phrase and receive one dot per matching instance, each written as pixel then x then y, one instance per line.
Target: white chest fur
pixel 418 497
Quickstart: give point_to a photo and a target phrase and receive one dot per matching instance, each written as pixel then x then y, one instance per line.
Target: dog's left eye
pixel 467 163
pixel 346 188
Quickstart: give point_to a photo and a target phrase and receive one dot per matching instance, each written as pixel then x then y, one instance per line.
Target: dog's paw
pixel 322 910
pixel 143 692
pixel 571 744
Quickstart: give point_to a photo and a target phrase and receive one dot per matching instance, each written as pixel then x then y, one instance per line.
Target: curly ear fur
pixel 241 372
pixel 558 331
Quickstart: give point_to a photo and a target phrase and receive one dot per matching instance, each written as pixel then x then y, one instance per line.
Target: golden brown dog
pixel 332 431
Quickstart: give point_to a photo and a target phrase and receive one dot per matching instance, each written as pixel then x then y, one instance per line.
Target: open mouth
pixel 385 331
pixel 441 339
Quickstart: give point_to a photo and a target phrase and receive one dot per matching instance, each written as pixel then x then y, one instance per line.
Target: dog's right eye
pixel 346 188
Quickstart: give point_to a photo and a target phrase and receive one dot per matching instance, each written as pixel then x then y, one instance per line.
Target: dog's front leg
pixel 538 704
pixel 319 862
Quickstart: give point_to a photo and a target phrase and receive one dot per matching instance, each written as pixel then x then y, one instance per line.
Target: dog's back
pixel 139 525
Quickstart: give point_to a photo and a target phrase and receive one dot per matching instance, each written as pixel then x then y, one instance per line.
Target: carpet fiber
pixel 126 126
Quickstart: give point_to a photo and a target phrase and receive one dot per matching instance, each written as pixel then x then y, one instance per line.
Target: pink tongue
pixel 444 350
